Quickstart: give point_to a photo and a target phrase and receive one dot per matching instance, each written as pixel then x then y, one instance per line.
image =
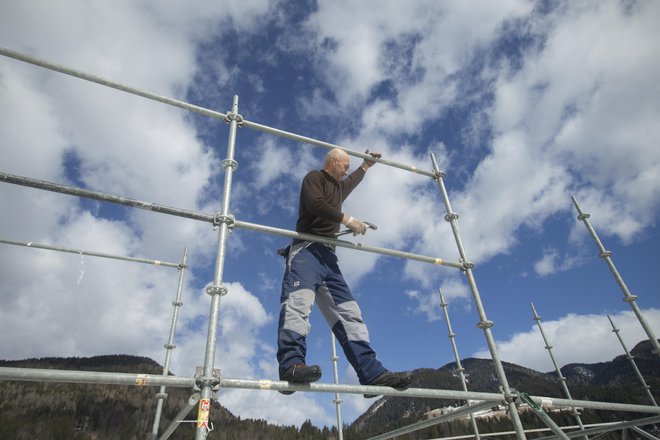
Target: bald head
pixel 334 154
pixel 336 163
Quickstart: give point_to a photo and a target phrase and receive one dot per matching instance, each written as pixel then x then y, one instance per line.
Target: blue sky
pixel 523 103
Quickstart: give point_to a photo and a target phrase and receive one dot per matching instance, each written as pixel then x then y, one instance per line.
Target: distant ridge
pixel 48 411
pixel 613 381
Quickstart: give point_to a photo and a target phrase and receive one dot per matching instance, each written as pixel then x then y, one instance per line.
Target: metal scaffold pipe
pixel 611 427
pixel 484 323
pixel 208 380
pixel 627 296
pixel 142 380
pixel 104 82
pixel 459 367
pixel 638 373
pixel 192 215
pixel 329 146
pixel 561 377
pixel 93 377
pixel 161 396
pixel 197 109
pixel 89 253
pixel 192 401
pixel 337 400
pixel 460 412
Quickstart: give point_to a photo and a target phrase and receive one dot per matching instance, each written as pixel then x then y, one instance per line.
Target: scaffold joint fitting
pixel 439 175
pixel 231 116
pixel 202 381
pixel 485 324
pixel 511 396
pixel 630 298
pixel 451 216
pixel 583 216
pixel 216 290
pixel 467 265
pixel 220 218
pixel 169 346
pixel 230 163
pixel 161 396
pixel 605 254
pixel 177 303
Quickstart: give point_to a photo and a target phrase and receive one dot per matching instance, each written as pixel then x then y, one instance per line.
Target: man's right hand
pixel 356 226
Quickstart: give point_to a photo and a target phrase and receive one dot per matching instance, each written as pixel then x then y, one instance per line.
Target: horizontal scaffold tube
pixel 89 253
pixel 609 427
pixel 456 413
pixel 79 192
pixel 71 376
pixel 93 377
pixel 273 385
pixel 197 109
pixel 111 84
pixel 329 146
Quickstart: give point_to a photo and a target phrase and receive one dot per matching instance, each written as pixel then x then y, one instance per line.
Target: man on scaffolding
pixel 312 274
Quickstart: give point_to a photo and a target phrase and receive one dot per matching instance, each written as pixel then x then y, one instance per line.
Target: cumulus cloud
pixel 572 111
pixel 575 339
pixel 553 262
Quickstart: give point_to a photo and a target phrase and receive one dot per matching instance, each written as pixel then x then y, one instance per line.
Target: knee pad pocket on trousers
pixel 351 318
pixel 297 308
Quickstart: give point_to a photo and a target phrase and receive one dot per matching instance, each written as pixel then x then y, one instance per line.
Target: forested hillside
pixel 53 411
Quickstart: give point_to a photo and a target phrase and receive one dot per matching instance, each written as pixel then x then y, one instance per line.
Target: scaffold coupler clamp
pixel 212 381
pixel 467 265
pixel 437 175
pixel 230 163
pixel 630 298
pixel 231 116
pixel 512 396
pixel 483 325
pixel 583 216
pixel 451 216
pixel 227 219
pixel 216 290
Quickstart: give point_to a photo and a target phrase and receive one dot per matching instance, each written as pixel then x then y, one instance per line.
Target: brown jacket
pixel 321 197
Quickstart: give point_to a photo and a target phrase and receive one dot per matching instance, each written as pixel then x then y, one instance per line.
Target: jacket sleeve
pixel 349 183
pixel 311 196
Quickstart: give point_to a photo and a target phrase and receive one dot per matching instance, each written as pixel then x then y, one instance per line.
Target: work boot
pixel 301 373
pixel 399 381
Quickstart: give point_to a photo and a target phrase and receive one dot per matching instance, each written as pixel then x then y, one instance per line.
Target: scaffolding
pixel 208 380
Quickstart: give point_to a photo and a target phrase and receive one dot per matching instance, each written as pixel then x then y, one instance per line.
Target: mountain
pixel 613 381
pixel 53 411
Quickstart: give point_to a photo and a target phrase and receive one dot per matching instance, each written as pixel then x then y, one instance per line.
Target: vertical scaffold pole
pixel 484 324
pixel 632 362
pixel 461 370
pixel 224 221
pixel 337 400
pixel 161 396
pixel 627 297
pixel 562 379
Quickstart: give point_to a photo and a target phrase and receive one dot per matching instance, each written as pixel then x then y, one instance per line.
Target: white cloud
pixel 577 114
pixel 553 262
pixel 575 339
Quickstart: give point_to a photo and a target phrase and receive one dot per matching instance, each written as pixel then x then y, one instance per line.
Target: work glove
pixel 356 226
